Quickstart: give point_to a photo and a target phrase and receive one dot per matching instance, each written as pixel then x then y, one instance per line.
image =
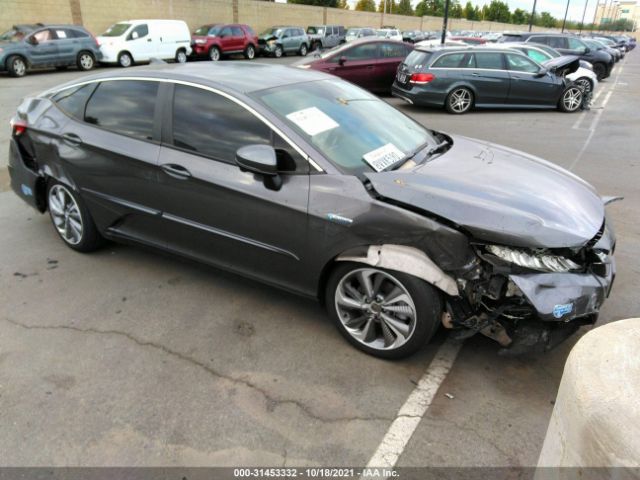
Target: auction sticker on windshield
pixel 383 157
pixel 312 120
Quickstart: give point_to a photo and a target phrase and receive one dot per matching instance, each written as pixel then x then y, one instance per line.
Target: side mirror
pixel 586 50
pixel 342 60
pixel 260 159
pixel 542 72
pixel 32 40
pixel 285 36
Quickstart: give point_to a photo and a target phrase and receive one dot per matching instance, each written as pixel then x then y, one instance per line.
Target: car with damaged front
pixel 309 183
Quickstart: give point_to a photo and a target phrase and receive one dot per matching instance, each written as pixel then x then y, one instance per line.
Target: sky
pixel 555 7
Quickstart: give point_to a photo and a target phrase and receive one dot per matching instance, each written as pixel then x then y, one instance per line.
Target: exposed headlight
pixel 271 42
pixel 200 41
pixel 303 66
pixel 535 261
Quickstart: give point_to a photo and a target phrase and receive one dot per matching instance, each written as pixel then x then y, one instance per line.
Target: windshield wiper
pixel 436 148
pixel 431 151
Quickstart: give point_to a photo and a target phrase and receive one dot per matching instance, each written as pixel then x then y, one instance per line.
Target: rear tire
pixel 16 66
pixel 181 56
pixel 125 59
pixel 85 61
pixel 303 50
pixel 385 327
pixel 459 101
pixel 71 218
pixel 250 52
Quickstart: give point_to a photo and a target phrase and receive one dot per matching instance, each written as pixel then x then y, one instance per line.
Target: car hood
pixel 267 37
pixel 499 195
pixel 563 65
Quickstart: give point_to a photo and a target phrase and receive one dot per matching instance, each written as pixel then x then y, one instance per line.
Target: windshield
pixel 12 35
pixel 382 33
pixel 352 32
pixel 334 50
pixel 345 123
pixel 315 30
pixel 202 31
pixel 594 44
pixel 272 32
pixel 551 51
pixel 606 41
pixel 116 30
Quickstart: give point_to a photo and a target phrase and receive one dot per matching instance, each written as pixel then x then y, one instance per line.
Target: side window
pixel 557 42
pixel 74 100
pixel 575 44
pixel 237 32
pixel 250 30
pixel 124 106
pixel 536 55
pixel 520 63
pixel 539 39
pixel 489 60
pixel 61 34
pixel 212 125
pixel 43 36
pixel 452 60
pixel 226 32
pixel 361 52
pixel 392 50
pixel 138 32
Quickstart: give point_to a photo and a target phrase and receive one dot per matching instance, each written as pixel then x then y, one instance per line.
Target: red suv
pixel 216 40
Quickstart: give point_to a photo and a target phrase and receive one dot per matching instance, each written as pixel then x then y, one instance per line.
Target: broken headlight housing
pixel 543 262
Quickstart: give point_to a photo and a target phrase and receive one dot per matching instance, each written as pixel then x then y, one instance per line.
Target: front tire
pixel 16 66
pixel 72 219
pixel 384 313
pixel 459 101
pixel 214 54
pixel 278 52
pixel 250 52
pixel 181 56
pixel 125 59
pixel 85 61
pixel 571 99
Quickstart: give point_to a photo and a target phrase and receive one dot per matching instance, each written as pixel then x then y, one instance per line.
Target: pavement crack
pixel 269 398
pixel 477 433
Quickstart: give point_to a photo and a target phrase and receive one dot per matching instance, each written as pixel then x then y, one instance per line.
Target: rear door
pixel 67 43
pixel 110 149
pixel 44 52
pixel 527 86
pixel 360 65
pixel 487 73
pixel 217 213
pixel 226 39
pixel 391 54
pixel 238 38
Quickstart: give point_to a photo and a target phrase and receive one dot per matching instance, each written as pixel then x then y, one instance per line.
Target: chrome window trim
pixel 250 109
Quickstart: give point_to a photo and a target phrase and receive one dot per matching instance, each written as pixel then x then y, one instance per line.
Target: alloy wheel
pixel 460 100
pixel 214 54
pixel 125 60
pixel 181 57
pixel 19 67
pixel 65 214
pixel 251 52
pixel 585 84
pixel 86 61
pixel 303 50
pixel 375 308
pixel 572 99
pixel 278 52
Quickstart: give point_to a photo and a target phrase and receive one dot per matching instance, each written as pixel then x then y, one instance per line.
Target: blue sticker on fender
pixel 26 190
pixel 561 310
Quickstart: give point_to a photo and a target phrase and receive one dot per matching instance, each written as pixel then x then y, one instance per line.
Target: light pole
pixel 445 21
pixel 533 14
pixel 583 14
pixel 565 16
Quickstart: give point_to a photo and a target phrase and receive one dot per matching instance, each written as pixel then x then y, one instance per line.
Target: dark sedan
pixel 314 185
pixel 460 79
pixel 369 63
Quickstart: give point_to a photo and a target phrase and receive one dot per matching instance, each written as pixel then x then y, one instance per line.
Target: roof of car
pixel 237 77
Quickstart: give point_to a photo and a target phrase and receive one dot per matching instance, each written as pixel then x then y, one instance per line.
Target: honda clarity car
pixel 309 183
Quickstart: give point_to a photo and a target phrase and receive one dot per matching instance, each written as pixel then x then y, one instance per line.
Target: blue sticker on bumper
pixel 26 190
pixel 560 311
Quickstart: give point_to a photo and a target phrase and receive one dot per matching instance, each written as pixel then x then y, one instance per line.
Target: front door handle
pixel 175 170
pixel 474 74
pixel 148 39
pixel 370 67
pixel 72 139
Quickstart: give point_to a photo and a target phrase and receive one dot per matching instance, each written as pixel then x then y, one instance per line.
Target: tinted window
pixel 212 125
pixel 452 60
pixel 556 42
pixel 124 106
pixel 73 100
pixel 490 61
pixel 520 63
pixel 536 55
pixel 77 33
pixel 391 50
pixel 575 44
pixel 237 32
pixel 250 30
pixel 417 59
pixel 360 52
pixel 139 32
pixel 226 32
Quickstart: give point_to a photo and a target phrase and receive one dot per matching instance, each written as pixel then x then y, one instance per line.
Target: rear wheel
pixel 600 70
pixel 181 56
pixel 214 54
pixel 303 50
pixel 85 61
pixel 250 52
pixel 459 101
pixel 316 46
pixel 384 313
pixel 571 99
pixel 125 59
pixel 16 66
pixel 71 218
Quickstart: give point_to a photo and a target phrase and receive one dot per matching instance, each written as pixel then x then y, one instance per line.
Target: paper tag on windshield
pixel 382 157
pixel 312 120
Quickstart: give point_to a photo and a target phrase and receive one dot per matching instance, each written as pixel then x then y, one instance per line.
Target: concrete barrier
pixel 596 418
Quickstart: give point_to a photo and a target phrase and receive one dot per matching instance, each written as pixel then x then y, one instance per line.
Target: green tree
pixel 318 3
pixel 498 12
pixel 519 16
pixel 404 8
pixel 366 6
pixel 391 6
pixel 546 20
pixel 484 13
pixel 469 12
pixel 343 4
pixel 455 9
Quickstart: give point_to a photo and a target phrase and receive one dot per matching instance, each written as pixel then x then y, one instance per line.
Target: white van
pixel 132 41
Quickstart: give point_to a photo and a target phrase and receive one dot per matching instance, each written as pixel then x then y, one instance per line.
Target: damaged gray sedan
pixel 311 184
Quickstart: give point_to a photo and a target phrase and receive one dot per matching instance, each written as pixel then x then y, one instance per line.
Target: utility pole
pixel 584 13
pixel 565 16
pixel 445 21
pixel 533 14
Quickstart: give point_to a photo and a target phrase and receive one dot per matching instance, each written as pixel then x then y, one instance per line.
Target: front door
pixel 360 64
pixel 141 43
pixel 217 213
pixel 42 49
pixel 528 87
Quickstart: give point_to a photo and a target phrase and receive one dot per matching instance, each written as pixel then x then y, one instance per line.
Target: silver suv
pixel 325 36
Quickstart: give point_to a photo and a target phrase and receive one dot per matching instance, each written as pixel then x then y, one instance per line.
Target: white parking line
pixel 410 414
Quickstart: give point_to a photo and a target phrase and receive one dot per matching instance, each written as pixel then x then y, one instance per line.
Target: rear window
pixel 451 60
pixel 489 60
pixel 507 37
pixel 73 100
pixel 417 59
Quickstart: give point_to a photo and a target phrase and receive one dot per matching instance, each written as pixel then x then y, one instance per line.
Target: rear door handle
pixel 175 170
pixel 474 74
pixel 72 139
pixel 370 67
